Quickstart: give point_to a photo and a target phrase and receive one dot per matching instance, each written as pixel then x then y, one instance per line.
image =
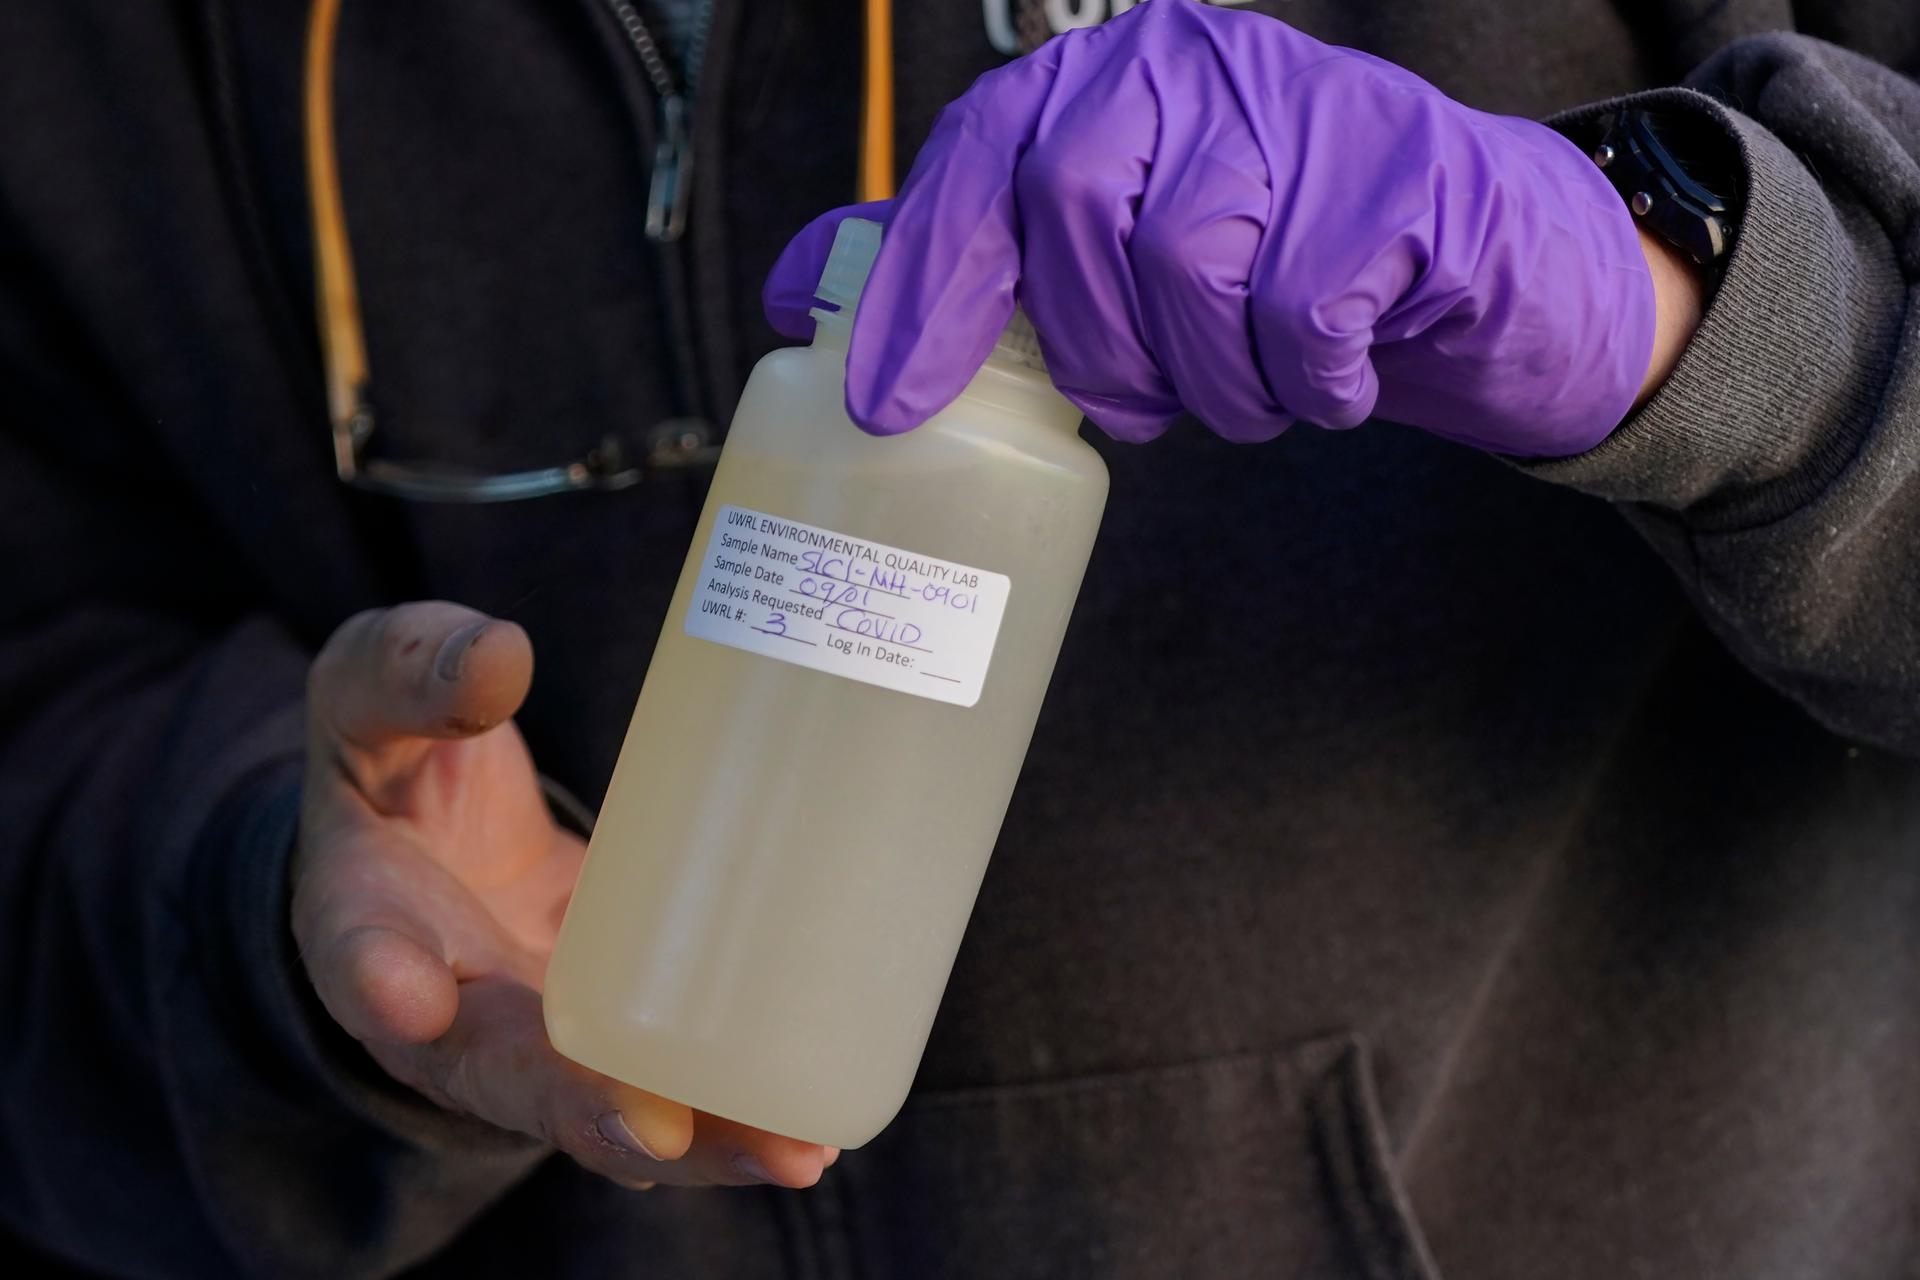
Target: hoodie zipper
pixel 670 184
pixel 690 437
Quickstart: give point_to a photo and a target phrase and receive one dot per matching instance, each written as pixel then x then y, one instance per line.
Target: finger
pixel 423 670
pixel 386 933
pixel 725 1154
pixel 1317 292
pixel 385 983
pixel 788 295
pixel 730 1153
pixel 942 288
pixel 384 970
pixel 1200 222
pixel 1316 349
pixel 497 1063
pixel 1078 187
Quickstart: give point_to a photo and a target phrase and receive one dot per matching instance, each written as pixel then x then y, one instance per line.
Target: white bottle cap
pixel 1019 344
pixel 855 246
pixel 857 243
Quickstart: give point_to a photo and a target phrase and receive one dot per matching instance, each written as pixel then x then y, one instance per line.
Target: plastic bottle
pixel 827 739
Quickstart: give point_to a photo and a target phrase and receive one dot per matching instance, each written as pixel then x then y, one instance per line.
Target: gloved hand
pixel 1205 209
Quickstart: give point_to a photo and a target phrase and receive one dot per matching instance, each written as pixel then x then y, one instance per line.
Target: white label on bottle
pixel 878 614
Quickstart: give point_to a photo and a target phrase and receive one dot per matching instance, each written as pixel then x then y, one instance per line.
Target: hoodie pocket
pixel 1267 1164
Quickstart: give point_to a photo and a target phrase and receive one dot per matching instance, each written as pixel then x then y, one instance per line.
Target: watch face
pixel 1675 171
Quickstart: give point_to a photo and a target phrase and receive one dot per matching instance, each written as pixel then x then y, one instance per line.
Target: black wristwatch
pixel 1679 175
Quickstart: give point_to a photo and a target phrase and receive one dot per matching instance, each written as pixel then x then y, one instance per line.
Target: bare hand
pixel 429 884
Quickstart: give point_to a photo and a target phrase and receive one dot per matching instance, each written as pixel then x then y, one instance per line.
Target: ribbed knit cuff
pixel 241 887
pixel 1770 398
pixel 298 1130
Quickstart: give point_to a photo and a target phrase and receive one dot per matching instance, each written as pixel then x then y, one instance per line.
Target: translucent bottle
pixel 830 730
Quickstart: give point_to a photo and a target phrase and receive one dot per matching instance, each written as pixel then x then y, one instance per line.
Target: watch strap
pixel 1670 184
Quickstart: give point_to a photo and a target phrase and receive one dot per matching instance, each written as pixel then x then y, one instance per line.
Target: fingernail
pixel 453 651
pixel 748 1167
pixel 833 1153
pixel 612 1129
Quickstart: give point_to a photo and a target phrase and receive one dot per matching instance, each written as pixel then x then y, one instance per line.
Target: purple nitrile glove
pixel 1204 209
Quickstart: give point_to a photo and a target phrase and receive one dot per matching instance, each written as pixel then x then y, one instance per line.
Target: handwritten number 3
pixel 777 623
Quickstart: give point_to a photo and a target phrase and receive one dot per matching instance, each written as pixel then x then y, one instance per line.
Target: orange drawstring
pixel 876 105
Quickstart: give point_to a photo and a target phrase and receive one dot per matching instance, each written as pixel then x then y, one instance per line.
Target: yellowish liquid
pixel 786 858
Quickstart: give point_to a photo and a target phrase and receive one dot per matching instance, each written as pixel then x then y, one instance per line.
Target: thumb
pixel 424 670
pixel 942 289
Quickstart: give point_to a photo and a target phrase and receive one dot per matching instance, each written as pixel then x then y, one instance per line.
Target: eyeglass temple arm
pixel 343 343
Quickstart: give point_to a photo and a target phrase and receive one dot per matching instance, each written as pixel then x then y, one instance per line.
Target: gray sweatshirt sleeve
pixel 1778 469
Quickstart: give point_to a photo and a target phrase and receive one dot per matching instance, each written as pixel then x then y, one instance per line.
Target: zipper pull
pixel 672 182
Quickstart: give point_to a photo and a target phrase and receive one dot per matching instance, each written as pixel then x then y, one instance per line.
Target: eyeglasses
pixel 675 443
